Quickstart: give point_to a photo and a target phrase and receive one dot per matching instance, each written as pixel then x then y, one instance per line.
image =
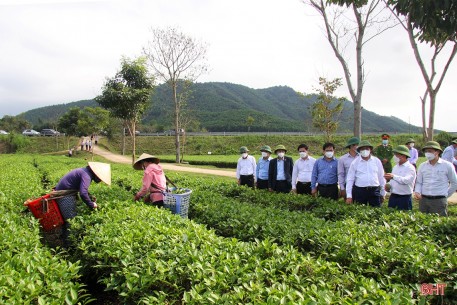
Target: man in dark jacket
pixel 280 171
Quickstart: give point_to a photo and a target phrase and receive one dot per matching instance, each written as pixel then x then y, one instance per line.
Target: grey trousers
pixel 438 206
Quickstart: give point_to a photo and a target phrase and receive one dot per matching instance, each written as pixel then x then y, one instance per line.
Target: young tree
pixel 435 24
pixel 174 56
pixel 249 121
pixel 343 30
pixel 327 109
pixel 127 94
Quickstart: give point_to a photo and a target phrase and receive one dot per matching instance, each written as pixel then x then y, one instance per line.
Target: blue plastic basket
pixel 178 203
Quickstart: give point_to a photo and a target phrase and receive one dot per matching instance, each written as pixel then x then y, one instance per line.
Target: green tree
pixel 127 94
pixel 249 121
pixel 327 109
pixel 68 122
pixel 93 120
pixel 174 56
pixel 14 124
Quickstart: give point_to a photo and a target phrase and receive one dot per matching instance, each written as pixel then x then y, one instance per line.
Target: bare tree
pixel 352 24
pixel 438 42
pixel 174 56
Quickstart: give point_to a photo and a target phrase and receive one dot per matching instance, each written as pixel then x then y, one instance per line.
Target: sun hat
pixel 454 141
pixel 385 136
pixel 433 145
pixel 137 164
pixel 402 150
pixel 102 171
pixel 352 141
pixel 410 140
pixel 364 143
pixel 280 147
pixel 266 148
pixel 243 149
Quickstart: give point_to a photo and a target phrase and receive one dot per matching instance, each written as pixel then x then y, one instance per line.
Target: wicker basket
pixel 46 210
pixel 178 203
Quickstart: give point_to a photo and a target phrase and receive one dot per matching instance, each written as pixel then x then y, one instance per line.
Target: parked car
pixel 30 132
pixel 172 132
pixel 3 132
pixel 49 132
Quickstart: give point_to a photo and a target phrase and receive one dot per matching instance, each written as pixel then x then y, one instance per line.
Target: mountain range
pixel 218 106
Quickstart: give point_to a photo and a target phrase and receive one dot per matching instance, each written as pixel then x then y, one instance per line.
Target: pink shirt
pixel 153 174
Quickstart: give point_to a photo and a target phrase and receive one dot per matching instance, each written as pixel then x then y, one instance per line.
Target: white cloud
pixel 61 51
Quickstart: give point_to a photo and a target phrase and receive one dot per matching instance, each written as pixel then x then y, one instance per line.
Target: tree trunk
pixel 123 140
pixel 134 141
pixel 177 108
pixel 431 116
pixel 424 125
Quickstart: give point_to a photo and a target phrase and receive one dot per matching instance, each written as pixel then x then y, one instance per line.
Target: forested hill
pixel 226 107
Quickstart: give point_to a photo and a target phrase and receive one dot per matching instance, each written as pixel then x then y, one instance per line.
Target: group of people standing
pixel 363 175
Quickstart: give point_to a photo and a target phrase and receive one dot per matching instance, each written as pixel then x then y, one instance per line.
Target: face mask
pixel 281 155
pixel 396 159
pixel 384 142
pixel 264 154
pixel 329 154
pixel 244 155
pixel 430 156
pixel 411 144
pixel 365 153
pixel 303 154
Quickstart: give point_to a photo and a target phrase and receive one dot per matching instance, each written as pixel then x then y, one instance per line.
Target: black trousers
pixel 367 195
pixel 282 186
pixel 247 180
pixel 328 191
pixel 262 184
pixel 304 188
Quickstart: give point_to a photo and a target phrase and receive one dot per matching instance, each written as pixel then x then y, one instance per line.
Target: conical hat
pixel 137 164
pixel 102 171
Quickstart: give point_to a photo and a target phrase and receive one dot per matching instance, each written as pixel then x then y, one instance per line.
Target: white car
pixel 30 132
pixel 3 132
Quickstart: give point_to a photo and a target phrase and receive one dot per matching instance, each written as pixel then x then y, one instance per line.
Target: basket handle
pixel 171 182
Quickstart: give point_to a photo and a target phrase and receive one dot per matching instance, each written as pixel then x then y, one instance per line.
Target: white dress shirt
pixel 343 168
pixel 436 180
pixel 449 154
pixel 363 173
pixel 403 181
pixel 246 167
pixel 303 168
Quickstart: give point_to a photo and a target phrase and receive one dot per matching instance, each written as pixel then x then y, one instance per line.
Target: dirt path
pixel 166 166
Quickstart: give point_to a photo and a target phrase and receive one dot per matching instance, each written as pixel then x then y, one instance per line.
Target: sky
pixel 61 51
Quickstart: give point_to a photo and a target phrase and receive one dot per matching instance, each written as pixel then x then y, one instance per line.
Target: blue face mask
pixel 384 142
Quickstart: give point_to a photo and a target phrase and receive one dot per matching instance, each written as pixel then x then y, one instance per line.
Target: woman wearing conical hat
pixel 78 181
pixel 154 181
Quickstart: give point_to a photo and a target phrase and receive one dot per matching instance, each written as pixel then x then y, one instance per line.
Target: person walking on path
pixel 154 180
pixel 450 152
pixel 414 155
pixel 365 183
pixel 436 181
pixel 324 179
pixel 384 153
pixel 246 168
pixel 262 168
pixel 302 171
pixel 345 162
pixel 280 171
pixel 401 180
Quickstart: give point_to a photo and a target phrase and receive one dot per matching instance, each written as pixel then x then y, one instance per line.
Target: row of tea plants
pixel 265 248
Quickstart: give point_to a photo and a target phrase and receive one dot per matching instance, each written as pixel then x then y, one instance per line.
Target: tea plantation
pixel 239 247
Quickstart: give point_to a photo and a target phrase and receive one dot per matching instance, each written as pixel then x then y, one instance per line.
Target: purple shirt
pixel 78 179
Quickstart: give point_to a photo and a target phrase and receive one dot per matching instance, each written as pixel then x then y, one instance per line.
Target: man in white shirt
pixel 436 181
pixel 246 168
pixel 345 162
pixel 401 180
pixel 365 180
pixel 449 153
pixel 301 173
pixel 414 155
